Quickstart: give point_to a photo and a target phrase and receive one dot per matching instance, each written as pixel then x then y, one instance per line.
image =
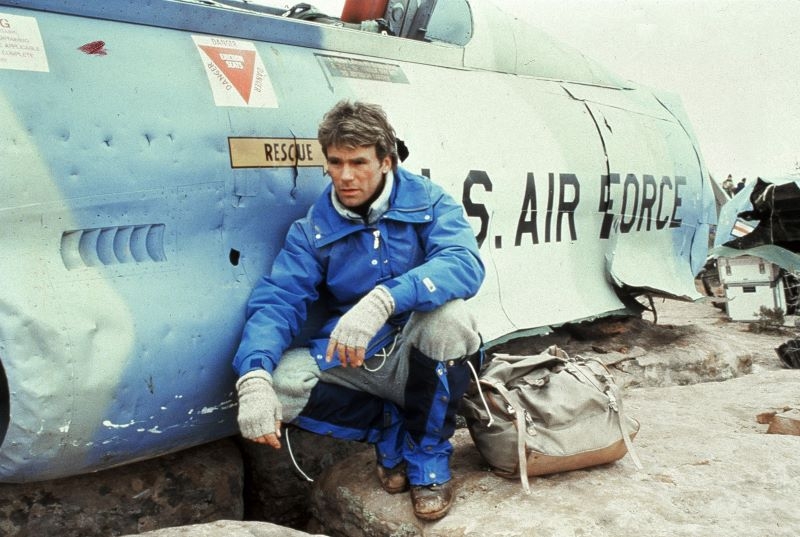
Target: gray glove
pixel 260 411
pixel 358 326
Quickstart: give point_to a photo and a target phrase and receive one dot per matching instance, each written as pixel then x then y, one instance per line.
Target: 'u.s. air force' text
pixel 641 204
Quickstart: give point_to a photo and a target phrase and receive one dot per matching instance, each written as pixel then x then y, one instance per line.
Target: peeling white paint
pixel 65 428
pixel 154 430
pixel 110 425
pixel 224 405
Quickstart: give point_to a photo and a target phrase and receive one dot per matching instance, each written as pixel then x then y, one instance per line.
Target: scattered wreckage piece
pixel 787 422
pixel 757 248
pixel 789 353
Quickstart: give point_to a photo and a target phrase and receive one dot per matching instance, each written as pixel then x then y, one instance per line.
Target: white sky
pixel 734 63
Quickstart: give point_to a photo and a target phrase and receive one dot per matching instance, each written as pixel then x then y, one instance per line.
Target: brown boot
pixel 393 480
pixel 431 502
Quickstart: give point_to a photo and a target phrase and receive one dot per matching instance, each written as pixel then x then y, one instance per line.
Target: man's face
pixel 357 173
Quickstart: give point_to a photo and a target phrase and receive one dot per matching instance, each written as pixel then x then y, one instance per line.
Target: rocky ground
pixel 695 381
pixel 709 468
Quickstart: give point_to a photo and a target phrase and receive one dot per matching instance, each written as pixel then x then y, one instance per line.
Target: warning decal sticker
pixel 236 74
pixel 21 45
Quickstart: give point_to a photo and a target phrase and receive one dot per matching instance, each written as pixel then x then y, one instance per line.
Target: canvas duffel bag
pixel 547 413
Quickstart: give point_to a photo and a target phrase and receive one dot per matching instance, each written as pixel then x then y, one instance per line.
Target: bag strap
pixel 520 417
pixel 613 393
pixel 480 392
pixel 519 414
pixel 615 402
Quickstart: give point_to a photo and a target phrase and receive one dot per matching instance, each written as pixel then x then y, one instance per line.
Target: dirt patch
pixel 603 335
pixel 678 343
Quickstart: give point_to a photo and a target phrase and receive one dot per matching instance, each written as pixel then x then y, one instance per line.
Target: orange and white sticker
pixel 236 74
pixel 21 45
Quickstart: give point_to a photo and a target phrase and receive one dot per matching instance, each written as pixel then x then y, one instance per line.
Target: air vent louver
pixel 113 245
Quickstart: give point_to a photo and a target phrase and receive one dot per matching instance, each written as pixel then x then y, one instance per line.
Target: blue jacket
pixel 422 249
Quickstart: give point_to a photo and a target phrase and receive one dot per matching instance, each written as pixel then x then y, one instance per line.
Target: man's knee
pixel 294 378
pixel 446 333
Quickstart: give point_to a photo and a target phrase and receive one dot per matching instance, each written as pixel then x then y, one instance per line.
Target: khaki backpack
pixel 548 413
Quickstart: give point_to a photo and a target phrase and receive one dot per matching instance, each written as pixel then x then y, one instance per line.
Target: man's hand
pixel 259 409
pixel 358 326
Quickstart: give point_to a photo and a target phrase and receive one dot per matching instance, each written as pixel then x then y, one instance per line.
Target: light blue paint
pixel 145 211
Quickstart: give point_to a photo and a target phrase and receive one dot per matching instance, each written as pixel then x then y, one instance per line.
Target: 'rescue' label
pixel 275 152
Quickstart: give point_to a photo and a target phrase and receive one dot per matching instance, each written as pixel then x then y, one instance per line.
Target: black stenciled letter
pixel 567 207
pixel 630 180
pixel 648 200
pixel 666 182
pixel 477 210
pixel 675 221
pixel 528 225
pixel 606 203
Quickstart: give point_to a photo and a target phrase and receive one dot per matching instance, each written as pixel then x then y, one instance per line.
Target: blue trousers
pixel 418 433
pixel 406 406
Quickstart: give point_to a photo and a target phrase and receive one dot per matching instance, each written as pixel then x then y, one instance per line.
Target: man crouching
pixel 395 259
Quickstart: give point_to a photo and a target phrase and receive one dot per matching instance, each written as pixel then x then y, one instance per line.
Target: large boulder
pixel 228 528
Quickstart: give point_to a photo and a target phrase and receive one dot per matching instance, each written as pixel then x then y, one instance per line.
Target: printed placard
pixel 363 69
pixel 21 45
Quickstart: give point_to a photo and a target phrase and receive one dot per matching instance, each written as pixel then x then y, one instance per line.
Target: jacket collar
pixel 376 210
pixel 409 200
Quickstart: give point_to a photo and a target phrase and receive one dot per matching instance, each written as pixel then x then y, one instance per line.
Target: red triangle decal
pixel 236 64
